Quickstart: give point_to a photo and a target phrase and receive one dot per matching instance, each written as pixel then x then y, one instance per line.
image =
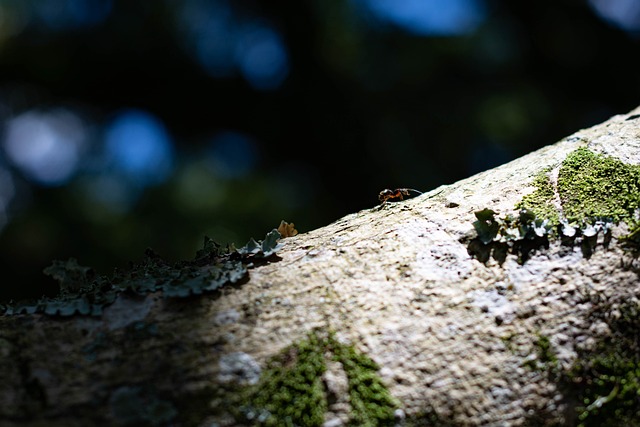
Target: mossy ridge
pixel 604 382
pixel 590 187
pixel 371 402
pixel 291 391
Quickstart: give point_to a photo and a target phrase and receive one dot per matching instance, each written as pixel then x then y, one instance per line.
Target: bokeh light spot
pixel 263 58
pixel 624 14
pixel 430 17
pixel 233 155
pixel 138 145
pixel 225 42
pixel 46 147
pixel 208 30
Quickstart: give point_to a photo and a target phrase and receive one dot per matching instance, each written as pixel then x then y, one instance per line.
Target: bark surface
pixel 456 341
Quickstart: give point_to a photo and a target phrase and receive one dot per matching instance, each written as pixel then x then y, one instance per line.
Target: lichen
pixel 499 236
pixel 291 390
pixel 83 292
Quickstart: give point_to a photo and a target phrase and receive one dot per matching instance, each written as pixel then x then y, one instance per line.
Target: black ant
pixel 395 195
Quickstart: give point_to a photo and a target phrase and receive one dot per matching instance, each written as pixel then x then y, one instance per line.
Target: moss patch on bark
pixel 589 187
pixel 291 391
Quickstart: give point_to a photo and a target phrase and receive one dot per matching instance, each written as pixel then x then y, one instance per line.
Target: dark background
pixel 131 124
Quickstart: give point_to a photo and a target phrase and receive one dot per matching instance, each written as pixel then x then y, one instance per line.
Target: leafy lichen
pixel 70 275
pixel 498 236
pixel 82 292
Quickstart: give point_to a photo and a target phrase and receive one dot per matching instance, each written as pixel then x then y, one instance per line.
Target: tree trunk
pixel 407 313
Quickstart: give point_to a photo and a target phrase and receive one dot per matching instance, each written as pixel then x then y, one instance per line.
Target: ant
pixel 395 195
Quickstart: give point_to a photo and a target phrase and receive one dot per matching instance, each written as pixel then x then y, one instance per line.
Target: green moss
pixel 540 202
pixel 546 359
pixel 632 239
pixel 291 391
pixel 590 187
pixel 606 380
pixel 596 186
pixel 545 353
pixel 603 385
pixel 371 402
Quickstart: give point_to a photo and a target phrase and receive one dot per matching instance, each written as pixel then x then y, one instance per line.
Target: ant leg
pixel 413 190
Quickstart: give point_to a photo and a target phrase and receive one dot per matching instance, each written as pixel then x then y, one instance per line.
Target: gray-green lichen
pixel 83 292
pixel 291 391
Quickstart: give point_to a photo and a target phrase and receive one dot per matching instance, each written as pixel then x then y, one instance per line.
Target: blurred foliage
pixel 331 103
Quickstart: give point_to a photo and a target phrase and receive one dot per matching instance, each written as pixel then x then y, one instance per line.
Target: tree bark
pixel 456 340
